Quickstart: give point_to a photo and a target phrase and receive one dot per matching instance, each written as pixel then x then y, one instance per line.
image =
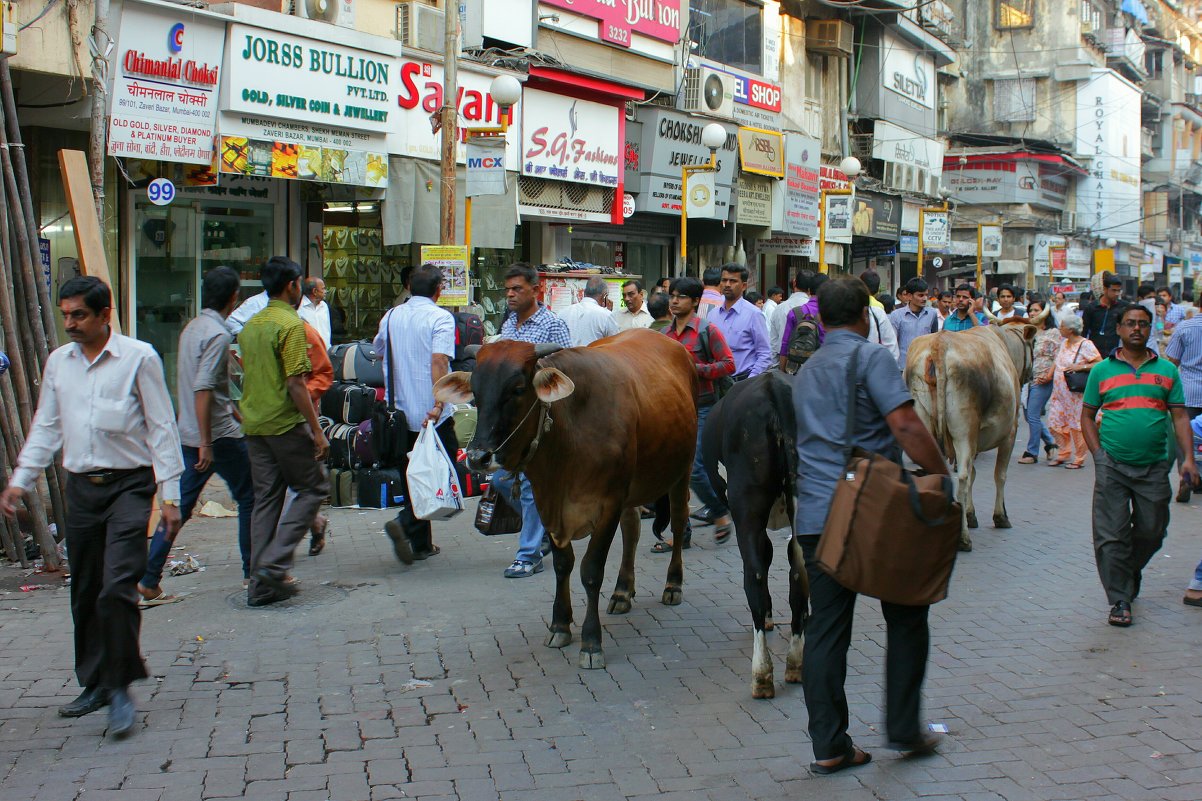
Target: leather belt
pixel 104 477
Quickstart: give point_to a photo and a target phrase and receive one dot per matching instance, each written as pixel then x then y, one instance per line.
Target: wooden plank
pixel 77 183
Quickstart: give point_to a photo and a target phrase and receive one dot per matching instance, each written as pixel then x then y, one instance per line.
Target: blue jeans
pixel 1037 398
pixel 699 481
pixel 231 462
pixel 530 540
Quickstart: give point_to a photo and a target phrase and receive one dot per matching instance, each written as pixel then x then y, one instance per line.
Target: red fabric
pixel 1131 379
pixel 1136 403
pixel 710 367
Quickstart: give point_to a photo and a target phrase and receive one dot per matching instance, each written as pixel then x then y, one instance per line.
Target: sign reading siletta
pixel 567 139
pixel 163 103
pixel 908 73
pixel 281 75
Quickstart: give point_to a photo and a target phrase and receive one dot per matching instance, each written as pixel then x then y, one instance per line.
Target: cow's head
pixel 508 385
pixel 1018 334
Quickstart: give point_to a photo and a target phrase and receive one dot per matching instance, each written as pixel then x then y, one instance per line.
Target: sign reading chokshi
pixel 617 20
pixel 163 104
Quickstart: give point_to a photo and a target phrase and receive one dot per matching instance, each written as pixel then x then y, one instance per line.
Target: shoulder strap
pixel 388 360
pixel 876 320
pixel 849 430
pixel 934 321
pixel 703 335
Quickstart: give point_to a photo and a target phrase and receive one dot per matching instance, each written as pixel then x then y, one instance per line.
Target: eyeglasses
pixel 1136 324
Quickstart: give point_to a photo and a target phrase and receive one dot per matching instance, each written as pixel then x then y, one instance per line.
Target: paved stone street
pixel 381 681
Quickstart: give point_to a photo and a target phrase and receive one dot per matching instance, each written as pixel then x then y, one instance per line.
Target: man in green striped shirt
pixel 285 442
pixel 1143 408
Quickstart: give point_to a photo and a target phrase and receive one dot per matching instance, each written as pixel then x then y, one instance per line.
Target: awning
pixel 1006 160
pixel 411 207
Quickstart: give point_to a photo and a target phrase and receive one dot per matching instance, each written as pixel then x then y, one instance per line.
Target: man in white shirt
pixel 634 314
pixel 246 310
pixel 801 296
pixel 588 320
pixel 104 401
pixel 314 310
pixel 417 339
pixel 771 300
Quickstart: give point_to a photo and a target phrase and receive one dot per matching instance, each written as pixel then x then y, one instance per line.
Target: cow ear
pixel 1029 332
pixel 552 385
pixel 454 388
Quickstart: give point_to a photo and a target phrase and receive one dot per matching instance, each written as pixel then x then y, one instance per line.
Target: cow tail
pixel 935 376
pixel 711 449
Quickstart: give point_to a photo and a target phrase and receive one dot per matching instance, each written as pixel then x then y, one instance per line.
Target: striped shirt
pixel 414 332
pixel 1185 348
pixel 1135 403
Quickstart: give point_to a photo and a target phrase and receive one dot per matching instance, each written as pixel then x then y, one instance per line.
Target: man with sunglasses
pixel 1143 408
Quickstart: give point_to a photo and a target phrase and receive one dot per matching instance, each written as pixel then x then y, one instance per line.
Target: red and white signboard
pixel 163 104
pixel 568 139
pixel 619 19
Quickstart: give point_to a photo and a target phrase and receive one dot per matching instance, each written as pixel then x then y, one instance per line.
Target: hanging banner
pixel 991 241
pixel 452 260
pixel 485 166
pixel 1058 259
pixel 936 230
pixel 837 225
pixel 701 201
pixel 164 96
pixel 802 171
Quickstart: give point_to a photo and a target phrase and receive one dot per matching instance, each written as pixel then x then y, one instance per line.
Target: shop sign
pixel 567 139
pixel 452 261
pixel 419 96
pixel 485 166
pixel 701 203
pixel 1176 274
pixel 672 140
pixel 755 201
pixel 936 230
pixel 897 145
pixel 788 246
pixel 908 243
pixel 1108 124
pixel 802 170
pixel 618 20
pixel 762 152
pixel 1041 258
pixel 991 241
pixel 837 220
pixel 299 79
pixel 271 148
pixel 164 98
pixel 876 215
pixel 1009 181
pixel 1058 260
pixel 1195 261
pixel 832 178
pixel 160 192
pixel 628 206
pixel 908 73
pixel 757 102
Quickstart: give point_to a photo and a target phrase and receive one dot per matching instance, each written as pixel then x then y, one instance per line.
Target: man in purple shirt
pixel 742 324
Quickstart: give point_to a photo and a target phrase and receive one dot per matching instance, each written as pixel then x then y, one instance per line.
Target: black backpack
pixel 802 343
pixel 469 330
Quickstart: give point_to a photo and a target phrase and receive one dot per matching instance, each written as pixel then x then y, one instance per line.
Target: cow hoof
pixel 966 544
pixel 792 674
pixel 972 519
pixel 619 606
pixel 558 639
pixel 673 596
pixel 592 660
pixel 763 688
pixel 768 624
pixel 1001 521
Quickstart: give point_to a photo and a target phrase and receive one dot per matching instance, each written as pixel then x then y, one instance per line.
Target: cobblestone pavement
pixel 383 681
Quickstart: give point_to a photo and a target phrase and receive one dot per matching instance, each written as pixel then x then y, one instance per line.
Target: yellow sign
pixel 762 152
pixel 452 260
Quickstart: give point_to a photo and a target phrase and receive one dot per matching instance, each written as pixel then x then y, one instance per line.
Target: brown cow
pixel 599 431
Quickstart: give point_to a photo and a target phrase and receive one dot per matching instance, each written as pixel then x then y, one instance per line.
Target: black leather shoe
pixel 265 600
pixel 88 702
pixel 703 514
pixel 277 586
pixel 400 543
pixel 122 714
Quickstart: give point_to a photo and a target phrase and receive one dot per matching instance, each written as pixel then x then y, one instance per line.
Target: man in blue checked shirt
pixel 528 321
pixel 3 362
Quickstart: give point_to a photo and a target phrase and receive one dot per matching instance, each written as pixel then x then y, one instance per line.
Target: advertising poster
pixel 991 241
pixel 802 172
pixel 452 260
pixel 936 230
pixel 837 225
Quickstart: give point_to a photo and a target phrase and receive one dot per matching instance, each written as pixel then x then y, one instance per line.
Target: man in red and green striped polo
pixel 1143 408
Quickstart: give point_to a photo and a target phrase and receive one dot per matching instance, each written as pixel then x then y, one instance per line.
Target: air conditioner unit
pixel 1068 222
pixel 420 25
pixel 336 12
pixel 707 91
pixel 834 37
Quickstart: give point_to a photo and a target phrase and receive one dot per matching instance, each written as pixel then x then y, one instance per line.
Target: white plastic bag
pixel 434 490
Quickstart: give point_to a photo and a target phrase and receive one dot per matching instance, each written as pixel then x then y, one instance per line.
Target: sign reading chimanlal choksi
pixel 281 75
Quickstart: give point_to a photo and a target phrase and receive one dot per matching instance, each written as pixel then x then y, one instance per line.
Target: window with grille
pixel 1014 100
pixel 730 32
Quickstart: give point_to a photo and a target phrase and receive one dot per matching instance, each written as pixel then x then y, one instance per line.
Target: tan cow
pixel 967 386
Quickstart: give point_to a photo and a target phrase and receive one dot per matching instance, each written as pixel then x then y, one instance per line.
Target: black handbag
pixel 495 514
pixel 1076 380
pixel 389 427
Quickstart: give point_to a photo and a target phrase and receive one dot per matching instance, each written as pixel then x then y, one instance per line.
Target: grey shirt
pixel 820 404
pixel 204 348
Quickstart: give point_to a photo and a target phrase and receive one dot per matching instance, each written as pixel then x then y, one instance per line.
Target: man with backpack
pixel 715 365
pixel 914 319
pixel 803 332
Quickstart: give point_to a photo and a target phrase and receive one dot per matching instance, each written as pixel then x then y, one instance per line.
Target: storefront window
pixel 730 32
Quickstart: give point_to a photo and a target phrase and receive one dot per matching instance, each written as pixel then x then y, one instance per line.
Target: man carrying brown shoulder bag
pixel 884 423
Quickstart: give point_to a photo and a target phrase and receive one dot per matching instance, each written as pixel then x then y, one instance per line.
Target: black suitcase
pixel 348 403
pixel 380 488
pixel 359 363
pixel 342 446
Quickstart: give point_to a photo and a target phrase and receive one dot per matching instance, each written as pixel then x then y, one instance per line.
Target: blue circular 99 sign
pixel 161 192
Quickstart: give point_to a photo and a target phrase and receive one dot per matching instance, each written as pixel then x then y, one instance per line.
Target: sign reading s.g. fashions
pixel 618 19
pixel 762 152
pixel 282 75
pixel 164 98
pixel 908 72
pixel 567 139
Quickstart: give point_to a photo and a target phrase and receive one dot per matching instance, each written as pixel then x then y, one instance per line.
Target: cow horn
pixel 988 314
pixel 472 351
pixel 1043 315
pixel 545 349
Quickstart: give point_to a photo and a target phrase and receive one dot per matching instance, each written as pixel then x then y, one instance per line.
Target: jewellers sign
pixel 163 103
pixel 418 91
pixel 908 73
pixel 281 75
pixel 618 20
pixel 567 139
pixel 762 152
pixel 672 140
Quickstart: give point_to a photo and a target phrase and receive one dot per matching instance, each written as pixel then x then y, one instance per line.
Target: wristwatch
pixel 170 503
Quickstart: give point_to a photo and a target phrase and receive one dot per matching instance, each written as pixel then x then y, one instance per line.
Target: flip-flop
pixel 158 600
pixel 1188 601
pixel 722 533
pixel 848 761
pixel 665 546
pixel 1120 614
pixel 1073 466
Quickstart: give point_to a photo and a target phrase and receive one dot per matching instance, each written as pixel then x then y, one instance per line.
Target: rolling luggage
pixel 348 403
pixel 363 445
pixel 342 487
pixel 380 488
pixel 342 451
pixel 358 363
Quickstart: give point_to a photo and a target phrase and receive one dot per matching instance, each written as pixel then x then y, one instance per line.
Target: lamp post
pixel 713 136
pixel 850 166
pixel 506 91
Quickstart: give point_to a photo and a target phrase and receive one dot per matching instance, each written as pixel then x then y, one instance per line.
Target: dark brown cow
pixel 618 423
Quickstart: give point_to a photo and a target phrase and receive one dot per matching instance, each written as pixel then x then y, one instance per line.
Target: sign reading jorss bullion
pixel 281 75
